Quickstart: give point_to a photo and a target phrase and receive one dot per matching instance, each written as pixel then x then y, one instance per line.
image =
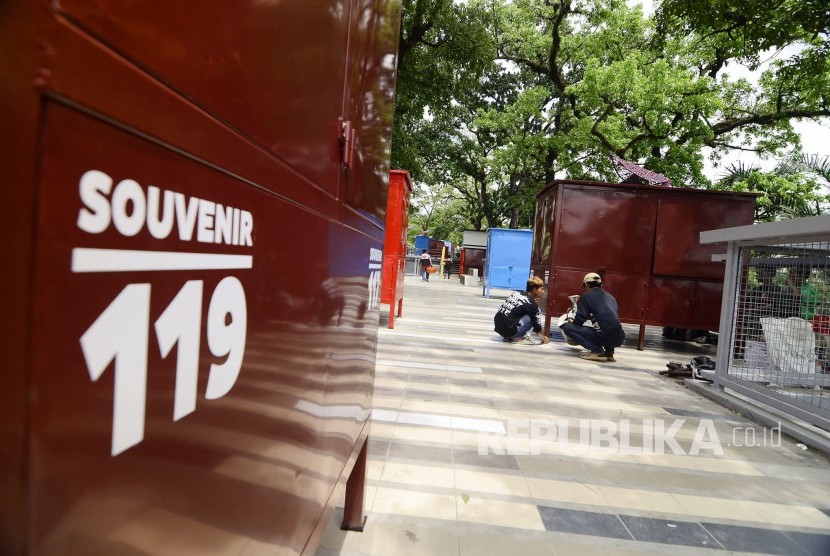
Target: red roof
pixel 626 169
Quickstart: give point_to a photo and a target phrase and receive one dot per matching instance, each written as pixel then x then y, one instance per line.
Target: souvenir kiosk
pixel 643 237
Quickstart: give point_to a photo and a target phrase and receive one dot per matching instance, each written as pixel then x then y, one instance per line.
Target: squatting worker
pixel 597 305
pixel 520 312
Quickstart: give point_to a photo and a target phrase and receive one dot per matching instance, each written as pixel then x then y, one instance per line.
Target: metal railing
pixel 776 316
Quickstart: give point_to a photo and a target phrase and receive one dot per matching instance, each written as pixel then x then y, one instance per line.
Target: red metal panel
pixel 270 423
pixel 599 227
pixel 218 399
pixel 394 246
pixel 436 249
pixel 473 258
pixel 681 218
pixel 369 101
pixel 671 302
pixel 707 305
pixel 19 51
pixel 240 72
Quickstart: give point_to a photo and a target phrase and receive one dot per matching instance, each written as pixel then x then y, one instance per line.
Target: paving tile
pixel 718 508
pixel 699 414
pixel 493 426
pixel 422 380
pixel 465 439
pixel 474 411
pixel 752 539
pixel 427 419
pixel 382 430
pixel 420 452
pixel 385 392
pixel 814 544
pixel 497 543
pixel 583 523
pixel 574 545
pixel 467 382
pixel 473 458
pixel 413 503
pixel 669 532
pixel 495 483
pixel 385 534
pixel 548 490
pixel 642 500
pixel 472 400
pixel 378 447
pixel 374 469
pixel 726 465
pixel 437 405
pixel 382 402
pixel 423 394
pixel 405 433
pixel 791 515
pixel 413 474
pixel 481 509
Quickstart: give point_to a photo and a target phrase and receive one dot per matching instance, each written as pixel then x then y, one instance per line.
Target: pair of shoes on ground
pixel 601 357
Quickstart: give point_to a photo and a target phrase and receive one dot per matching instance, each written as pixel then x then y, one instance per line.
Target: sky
pixel 815 136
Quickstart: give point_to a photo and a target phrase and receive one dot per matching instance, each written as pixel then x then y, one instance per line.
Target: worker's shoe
pixel 526 341
pixel 591 356
pixel 610 357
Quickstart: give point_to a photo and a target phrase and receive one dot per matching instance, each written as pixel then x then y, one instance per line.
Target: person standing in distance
pixel 520 312
pixel 597 305
pixel 447 266
pixel 425 261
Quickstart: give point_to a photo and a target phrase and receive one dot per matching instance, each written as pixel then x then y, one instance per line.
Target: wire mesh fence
pixel 781 339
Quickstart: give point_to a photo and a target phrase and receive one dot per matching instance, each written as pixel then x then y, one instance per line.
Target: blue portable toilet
pixel 508 259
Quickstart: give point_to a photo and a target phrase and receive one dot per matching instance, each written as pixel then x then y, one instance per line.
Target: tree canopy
pixel 498 97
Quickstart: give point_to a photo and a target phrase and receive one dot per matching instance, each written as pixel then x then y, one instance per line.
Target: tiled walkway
pixel 467 455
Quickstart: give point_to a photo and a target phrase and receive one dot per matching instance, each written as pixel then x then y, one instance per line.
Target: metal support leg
pixel 353 518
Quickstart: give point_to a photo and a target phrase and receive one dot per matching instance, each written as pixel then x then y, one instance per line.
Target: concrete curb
pixel 807 434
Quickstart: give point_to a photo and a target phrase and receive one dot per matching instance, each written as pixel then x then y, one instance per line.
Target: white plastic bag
pixel 791 344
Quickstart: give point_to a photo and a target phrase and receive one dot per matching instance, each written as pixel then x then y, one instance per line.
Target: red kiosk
pixel 174 380
pixel 643 237
pixel 394 246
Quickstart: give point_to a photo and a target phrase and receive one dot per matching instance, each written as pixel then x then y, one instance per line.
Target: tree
pixel 795 86
pixel 798 186
pixel 743 29
pixel 443 47
pixel 476 134
pixel 618 88
pixel 498 97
